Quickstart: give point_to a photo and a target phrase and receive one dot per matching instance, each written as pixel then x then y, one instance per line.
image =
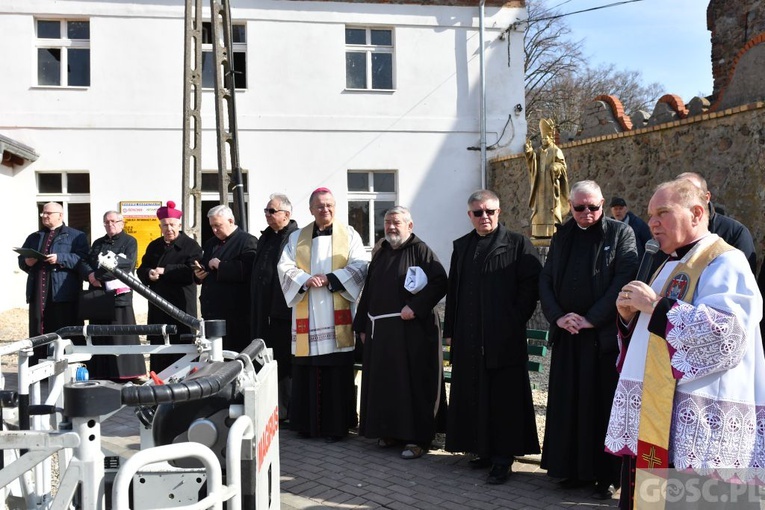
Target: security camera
pixel 518 109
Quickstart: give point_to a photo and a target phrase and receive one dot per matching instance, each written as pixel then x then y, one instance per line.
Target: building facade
pixel 378 101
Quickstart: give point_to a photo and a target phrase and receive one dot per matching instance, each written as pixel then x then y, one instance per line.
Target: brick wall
pixel 732 23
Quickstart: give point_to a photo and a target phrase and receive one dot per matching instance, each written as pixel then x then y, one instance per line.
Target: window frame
pixel 65 197
pixel 64 44
pixel 370 195
pixel 369 49
pixel 238 48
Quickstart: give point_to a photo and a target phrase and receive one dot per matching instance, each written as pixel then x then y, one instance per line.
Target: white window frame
pixel 371 196
pixel 64 44
pixel 369 49
pixel 238 47
pixel 65 197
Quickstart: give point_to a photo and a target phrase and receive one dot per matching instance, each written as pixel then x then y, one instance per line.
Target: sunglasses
pixel 273 211
pixel 580 208
pixel 479 212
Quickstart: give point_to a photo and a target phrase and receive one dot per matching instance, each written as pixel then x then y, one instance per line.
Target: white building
pixel 377 100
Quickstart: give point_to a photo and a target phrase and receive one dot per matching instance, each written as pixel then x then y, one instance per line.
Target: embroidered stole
pixel 659 383
pixel 342 307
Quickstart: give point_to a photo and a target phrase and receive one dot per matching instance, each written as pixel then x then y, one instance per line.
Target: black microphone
pixel 644 271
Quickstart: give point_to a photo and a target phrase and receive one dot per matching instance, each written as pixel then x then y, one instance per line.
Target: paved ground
pixel 356 473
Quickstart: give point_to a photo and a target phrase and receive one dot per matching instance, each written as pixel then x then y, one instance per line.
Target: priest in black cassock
pixel 224 273
pixel 591 258
pixel 167 269
pixel 493 289
pixel 402 376
pixel 125 367
pixel 271 317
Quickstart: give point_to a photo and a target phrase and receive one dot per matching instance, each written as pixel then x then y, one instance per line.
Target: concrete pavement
pixel 356 473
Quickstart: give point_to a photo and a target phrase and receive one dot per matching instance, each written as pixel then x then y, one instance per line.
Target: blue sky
pixel 666 40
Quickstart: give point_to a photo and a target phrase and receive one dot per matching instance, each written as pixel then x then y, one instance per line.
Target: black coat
pixel 266 292
pixel 226 291
pixel 641 230
pixel 71 247
pixel 176 284
pixel 735 234
pixel 615 265
pixel 508 294
pixel 121 244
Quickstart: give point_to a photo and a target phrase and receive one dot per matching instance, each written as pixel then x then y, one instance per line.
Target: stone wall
pixel 732 23
pixel 727 147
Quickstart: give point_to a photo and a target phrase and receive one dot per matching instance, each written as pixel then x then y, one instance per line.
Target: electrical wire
pixel 583 10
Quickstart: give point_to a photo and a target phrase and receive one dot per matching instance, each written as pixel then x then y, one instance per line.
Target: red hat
pixel 169 212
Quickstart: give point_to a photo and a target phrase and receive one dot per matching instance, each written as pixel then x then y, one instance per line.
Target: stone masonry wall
pixel 726 147
pixel 732 23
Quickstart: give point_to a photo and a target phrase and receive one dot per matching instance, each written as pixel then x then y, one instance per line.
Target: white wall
pixel 298 127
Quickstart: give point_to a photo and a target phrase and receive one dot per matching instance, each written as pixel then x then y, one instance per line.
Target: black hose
pixel 155 299
pixel 47 338
pixel 116 330
pixel 253 350
pixel 210 380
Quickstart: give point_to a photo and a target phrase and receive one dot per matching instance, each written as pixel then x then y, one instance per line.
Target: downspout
pixel 483 91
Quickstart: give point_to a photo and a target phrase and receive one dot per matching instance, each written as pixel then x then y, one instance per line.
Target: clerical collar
pixel 683 250
pixel 326 232
pixel 587 228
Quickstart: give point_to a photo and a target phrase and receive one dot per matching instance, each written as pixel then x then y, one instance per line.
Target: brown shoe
pixel 412 451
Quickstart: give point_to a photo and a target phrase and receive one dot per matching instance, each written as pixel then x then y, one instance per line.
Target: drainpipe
pixel 483 92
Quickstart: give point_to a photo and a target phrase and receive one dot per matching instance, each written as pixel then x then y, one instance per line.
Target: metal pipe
pixel 482 52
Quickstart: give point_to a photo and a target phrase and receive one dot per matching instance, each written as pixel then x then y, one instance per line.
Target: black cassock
pixel 125 366
pixel 402 374
pixel 176 285
pixel 491 412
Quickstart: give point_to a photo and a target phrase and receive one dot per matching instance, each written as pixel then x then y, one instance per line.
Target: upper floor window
pixel 370 194
pixel 63 53
pixel 238 57
pixel 369 58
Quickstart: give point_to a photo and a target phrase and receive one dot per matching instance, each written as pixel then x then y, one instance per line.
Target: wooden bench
pixel 536 345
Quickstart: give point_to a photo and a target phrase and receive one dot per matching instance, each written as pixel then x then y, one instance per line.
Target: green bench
pixel 536 345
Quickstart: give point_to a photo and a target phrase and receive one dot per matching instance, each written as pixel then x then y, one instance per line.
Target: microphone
pixel 644 271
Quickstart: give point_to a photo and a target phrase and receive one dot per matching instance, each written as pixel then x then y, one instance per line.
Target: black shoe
pixel 479 463
pixel 499 474
pixel 332 439
pixel 603 491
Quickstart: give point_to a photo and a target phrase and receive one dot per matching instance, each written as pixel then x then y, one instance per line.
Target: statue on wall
pixel 549 183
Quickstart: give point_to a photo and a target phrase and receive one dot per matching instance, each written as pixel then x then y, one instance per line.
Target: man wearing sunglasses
pixel 493 290
pixel 271 317
pixel 590 258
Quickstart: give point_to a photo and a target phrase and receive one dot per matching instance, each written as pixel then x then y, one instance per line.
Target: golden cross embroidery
pixel 651 458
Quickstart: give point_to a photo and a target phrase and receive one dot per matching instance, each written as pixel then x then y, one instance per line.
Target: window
pixel 70 189
pixel 211 198
pixel 368 58
pixel 63 53
pixel 238 56
pixel 370 194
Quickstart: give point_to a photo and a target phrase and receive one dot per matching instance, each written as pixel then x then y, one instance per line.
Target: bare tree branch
pixel 559 82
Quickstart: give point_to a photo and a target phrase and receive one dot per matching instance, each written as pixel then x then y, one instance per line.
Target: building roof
pixel 15 153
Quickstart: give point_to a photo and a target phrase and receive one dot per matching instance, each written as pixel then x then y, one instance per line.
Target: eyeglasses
pixel 479 212
pixel 580 208
pixel 48 213
pixel 273 211
pixel 112 222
